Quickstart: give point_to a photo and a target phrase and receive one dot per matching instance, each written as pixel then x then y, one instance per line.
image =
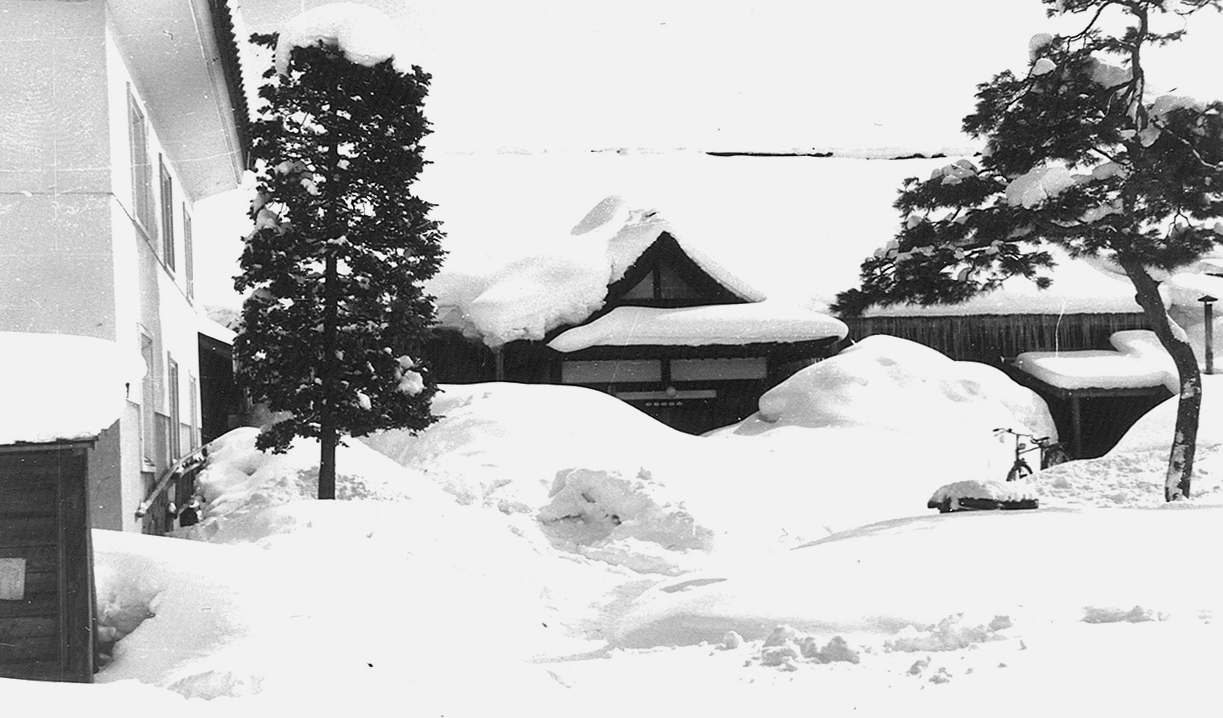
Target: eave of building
pixel 728 324
pixel 183 57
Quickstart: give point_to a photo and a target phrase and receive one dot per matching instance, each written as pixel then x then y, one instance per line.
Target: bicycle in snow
pixel 1051 453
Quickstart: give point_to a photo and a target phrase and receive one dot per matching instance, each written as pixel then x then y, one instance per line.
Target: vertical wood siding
pixel 997 338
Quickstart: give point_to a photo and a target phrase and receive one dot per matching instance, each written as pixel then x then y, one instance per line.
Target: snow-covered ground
pixel 548 550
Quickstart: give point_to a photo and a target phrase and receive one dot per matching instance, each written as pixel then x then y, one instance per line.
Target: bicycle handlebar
pixel 1033 437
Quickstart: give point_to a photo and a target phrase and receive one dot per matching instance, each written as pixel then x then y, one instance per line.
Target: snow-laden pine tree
pixel 334 328
pixel 1080 154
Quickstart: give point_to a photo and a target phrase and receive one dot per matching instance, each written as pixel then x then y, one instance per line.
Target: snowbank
pixel 59 386
pixel 920 388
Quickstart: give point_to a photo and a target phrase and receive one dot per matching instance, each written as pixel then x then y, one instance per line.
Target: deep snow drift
pixel 550 549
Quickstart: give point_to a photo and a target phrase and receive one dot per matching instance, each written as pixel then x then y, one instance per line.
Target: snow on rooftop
pixel 722 324
pixel 1080 286
pixel 1138 362
pixel 61 387
pixel 565 280
pixel 366 35
pixel 793 227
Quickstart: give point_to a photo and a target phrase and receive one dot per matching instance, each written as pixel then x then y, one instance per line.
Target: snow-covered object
pixel 60 386
pixel 1005 491
pixel 366 35
pixel 1165 104
pixel 566 281
pixel 1043 66
pixel 720 324
pixel 918 385
pixel 1039 184
pixel 628 521
pixel 410 381
pixel 1138 361
pixel 1038 43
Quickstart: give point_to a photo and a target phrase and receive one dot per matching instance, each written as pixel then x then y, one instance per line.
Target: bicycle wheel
pixel 1019 471
pixel 1053 455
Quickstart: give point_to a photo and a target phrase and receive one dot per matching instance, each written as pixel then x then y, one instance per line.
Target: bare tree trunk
pixel 328 433
pixel 1189 405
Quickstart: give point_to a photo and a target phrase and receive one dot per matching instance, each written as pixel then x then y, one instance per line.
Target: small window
pixel 176 445
pixel 193 400
pixel 148 394
pixel 188 254
pixel 731 369
pixel 673 286
pixel 611 371
pixel 167 214
pixel 643 289
pixel 142 170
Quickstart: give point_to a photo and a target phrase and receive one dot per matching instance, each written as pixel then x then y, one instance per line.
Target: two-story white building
pixel 116 117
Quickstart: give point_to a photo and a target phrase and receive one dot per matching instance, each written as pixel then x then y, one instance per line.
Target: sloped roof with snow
pixel 1139 361
pixel 566 281
pixel 718 324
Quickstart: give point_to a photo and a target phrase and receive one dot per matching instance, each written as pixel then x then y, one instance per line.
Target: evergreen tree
pixel 1079 155
pixel 333 332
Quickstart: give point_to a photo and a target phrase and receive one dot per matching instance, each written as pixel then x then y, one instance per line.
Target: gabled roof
pixel 586 274
pixel 668 260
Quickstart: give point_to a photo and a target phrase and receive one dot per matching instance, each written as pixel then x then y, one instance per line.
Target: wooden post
pixel 1208 307
pixel 1076 420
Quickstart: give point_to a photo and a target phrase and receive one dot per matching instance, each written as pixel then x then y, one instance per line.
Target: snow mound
pixel 919 386
pixel 240 480
pixel 365 35
pixel 612 518
pixel 503 444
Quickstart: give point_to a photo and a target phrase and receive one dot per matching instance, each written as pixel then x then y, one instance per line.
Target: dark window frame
pixel 166 186
pixel 142 168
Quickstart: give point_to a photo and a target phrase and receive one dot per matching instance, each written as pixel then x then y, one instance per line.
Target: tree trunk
pixel 328 429
pixel 328 432
pixel 1189 405
pixel 328 438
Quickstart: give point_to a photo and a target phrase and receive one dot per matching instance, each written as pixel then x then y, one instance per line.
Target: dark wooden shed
pixel 46 563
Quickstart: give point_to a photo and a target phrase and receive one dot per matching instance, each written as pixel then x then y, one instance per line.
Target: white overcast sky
pixel 540 75
pixel 543 74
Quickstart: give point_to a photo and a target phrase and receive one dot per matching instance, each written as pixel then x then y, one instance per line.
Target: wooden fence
pixel 997 338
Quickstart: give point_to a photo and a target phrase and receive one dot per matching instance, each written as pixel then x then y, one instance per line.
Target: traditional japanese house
pixel 674 334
